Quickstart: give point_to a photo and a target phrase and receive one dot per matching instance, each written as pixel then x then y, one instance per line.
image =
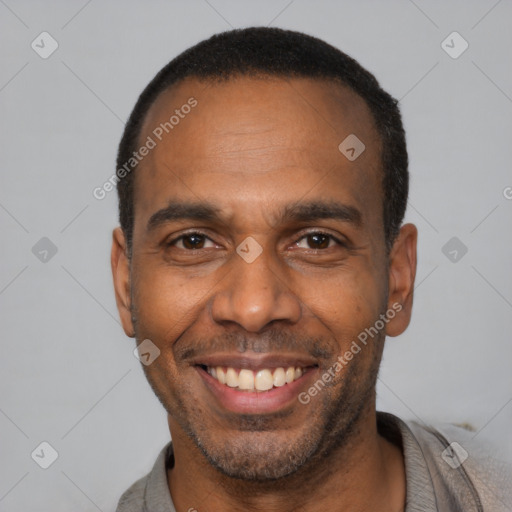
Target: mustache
pixel 270 341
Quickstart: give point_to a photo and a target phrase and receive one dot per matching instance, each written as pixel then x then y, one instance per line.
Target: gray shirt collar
pixel 420 488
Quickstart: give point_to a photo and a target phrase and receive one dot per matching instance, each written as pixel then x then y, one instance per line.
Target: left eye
pixel 316 241
pixel 191 241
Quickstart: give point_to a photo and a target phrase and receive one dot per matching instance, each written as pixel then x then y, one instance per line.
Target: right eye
pixel 190 241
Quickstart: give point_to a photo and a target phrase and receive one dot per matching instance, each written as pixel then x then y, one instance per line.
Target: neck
pixel 365 473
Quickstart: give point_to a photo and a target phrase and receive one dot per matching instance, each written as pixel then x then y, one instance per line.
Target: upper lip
pixel 254 361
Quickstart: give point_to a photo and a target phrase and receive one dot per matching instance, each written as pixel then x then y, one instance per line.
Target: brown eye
pixel 193 241
pixel 316 241
pixel 190 241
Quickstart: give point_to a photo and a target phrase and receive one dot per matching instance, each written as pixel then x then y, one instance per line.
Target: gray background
pixel 67 372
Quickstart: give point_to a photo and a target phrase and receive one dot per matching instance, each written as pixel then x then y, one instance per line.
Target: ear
pixel 402 272
pixel 121 275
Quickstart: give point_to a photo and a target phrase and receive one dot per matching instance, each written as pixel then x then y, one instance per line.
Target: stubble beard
pixel 256 453
pixel 260 455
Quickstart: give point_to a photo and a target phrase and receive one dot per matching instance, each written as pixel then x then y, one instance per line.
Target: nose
pixel 255 294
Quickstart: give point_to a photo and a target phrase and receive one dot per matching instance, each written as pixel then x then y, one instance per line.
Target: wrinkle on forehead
pixel 272 134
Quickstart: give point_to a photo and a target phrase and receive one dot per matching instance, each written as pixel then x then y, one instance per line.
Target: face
pixel 258 260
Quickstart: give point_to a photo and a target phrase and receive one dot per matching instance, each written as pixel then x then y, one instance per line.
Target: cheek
pixel 346 302
pixel 166 302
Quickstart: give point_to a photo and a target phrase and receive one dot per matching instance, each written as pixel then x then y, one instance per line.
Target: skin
pixel 251 147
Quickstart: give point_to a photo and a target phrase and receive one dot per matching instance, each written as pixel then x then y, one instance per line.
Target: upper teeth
pixel 261 380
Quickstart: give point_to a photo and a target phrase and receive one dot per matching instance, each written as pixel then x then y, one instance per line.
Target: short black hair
pixel 276 52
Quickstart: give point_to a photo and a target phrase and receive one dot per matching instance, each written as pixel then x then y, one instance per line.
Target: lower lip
pixel 257 402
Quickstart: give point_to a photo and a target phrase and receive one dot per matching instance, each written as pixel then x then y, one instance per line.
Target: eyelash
pixel 305 235
pixel 338 242
pixel 184 235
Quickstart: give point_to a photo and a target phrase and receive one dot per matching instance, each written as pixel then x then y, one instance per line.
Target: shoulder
pixel 151 492
pixel 132 500
pixel 464 470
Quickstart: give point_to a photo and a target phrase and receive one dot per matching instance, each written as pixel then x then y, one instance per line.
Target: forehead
pixel 249 142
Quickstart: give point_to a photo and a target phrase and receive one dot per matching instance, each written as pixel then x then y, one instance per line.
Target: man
pixel 260 263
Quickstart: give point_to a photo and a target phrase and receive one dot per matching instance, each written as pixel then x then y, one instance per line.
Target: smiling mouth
pixel 265 379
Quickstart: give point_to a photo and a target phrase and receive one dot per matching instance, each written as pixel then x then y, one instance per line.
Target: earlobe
pixel 402 273
pixel 121 275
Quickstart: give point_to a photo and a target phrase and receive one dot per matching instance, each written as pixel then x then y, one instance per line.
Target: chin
pixel 259 456
pixel 262 463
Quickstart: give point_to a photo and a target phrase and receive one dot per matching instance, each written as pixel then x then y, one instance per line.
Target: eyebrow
pixel 298 212
pixel 316 210
pixel 179 210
